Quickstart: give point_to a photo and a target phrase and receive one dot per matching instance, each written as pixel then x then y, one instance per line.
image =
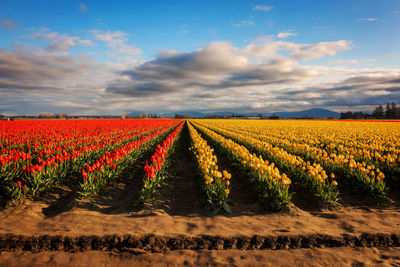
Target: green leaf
pixel 227 208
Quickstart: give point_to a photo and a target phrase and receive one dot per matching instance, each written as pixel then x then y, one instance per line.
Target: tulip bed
pixel 155 173
pixel 215 183
pixel 36 154
pixel 310 175
pixel 272 186
pixel 322 157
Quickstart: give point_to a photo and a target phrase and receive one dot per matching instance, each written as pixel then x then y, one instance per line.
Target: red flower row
pixel 158 158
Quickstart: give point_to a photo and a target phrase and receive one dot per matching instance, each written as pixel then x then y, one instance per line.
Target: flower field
pixel 148 186
pixel 322 157
pixel 36 154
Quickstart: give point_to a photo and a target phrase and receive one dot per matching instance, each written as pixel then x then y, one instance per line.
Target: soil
pixel 298 257
pixel 57 230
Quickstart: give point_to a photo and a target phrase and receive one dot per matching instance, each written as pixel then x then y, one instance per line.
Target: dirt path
pixel 243 196
pixel 181 194
pixel 300 257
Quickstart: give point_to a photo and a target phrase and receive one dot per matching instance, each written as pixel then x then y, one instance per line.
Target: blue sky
pixel 98 57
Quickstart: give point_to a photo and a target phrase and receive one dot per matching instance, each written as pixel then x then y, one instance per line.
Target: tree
pixel 378 112
pixel 394 110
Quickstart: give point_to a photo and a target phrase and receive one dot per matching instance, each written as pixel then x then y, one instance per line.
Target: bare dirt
pixel 46 231
pixel 299 257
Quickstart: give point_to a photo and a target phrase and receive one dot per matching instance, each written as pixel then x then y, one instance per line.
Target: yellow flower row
pixel 265 169
pixel 374 141
pixel 313 169
pixel 207 161
pixel 319 153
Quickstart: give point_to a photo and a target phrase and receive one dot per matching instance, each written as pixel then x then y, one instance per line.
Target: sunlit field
pixel 275 183
pixel 199 133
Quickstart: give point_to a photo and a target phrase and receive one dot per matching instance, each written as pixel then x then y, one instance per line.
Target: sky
pixel 116 57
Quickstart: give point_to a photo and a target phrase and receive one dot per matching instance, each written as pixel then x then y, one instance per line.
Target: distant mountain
pixel 135 113
pixel 311 113
pixel 1 115
pixel 191 113
pixel 222 113
pixel 318 113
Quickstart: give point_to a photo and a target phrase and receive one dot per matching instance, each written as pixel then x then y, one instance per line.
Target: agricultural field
pixel 160 185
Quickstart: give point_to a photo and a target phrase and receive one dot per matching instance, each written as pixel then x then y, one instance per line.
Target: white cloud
pixel 286 34
pixel 273 49
pixel 367 19
pixel 220 65
pixel 243 23
pixel 263 8
pixel 264 75
pixel 59 42
pixel 116 41
pixel 347 62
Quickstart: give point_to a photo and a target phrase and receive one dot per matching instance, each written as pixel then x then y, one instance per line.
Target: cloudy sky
pixel 111 57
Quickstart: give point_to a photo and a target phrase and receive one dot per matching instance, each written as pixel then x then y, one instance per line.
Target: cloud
pixel 347 62
pixel 8 24
pixel 83 8
pixel 59 42
pixel 24 69
pixel 263 8
pixel 265 75
pixel 372 87
pixel 212 31
pixel 286 34
pixel 243 23
pixel 220 65
pixel 295 51
pixel 367 19
pixel 116 41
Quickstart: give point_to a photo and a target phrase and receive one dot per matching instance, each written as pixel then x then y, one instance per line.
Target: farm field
pixel 171 186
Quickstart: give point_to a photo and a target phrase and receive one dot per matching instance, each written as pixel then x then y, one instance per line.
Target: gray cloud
pixel 83 8
pixel 23 69
pixel 221 65
pixel 374 88
pixel 264 76
pixel 8 24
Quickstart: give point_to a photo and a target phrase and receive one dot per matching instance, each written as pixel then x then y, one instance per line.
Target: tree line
pixel 391 111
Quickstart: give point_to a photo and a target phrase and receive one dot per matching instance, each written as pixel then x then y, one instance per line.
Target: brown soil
pixel 299 257
pixel 180 219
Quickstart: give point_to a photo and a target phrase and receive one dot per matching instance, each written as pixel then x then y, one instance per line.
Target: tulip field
pixel 37 154
pixel 322 157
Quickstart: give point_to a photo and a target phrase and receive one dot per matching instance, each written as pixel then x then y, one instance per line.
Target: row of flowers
pixel 215 184
pixel 360 176
pixel 310 174
pixel 28 173
pixel 155 171
pixel 273 187
pixel 112 164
